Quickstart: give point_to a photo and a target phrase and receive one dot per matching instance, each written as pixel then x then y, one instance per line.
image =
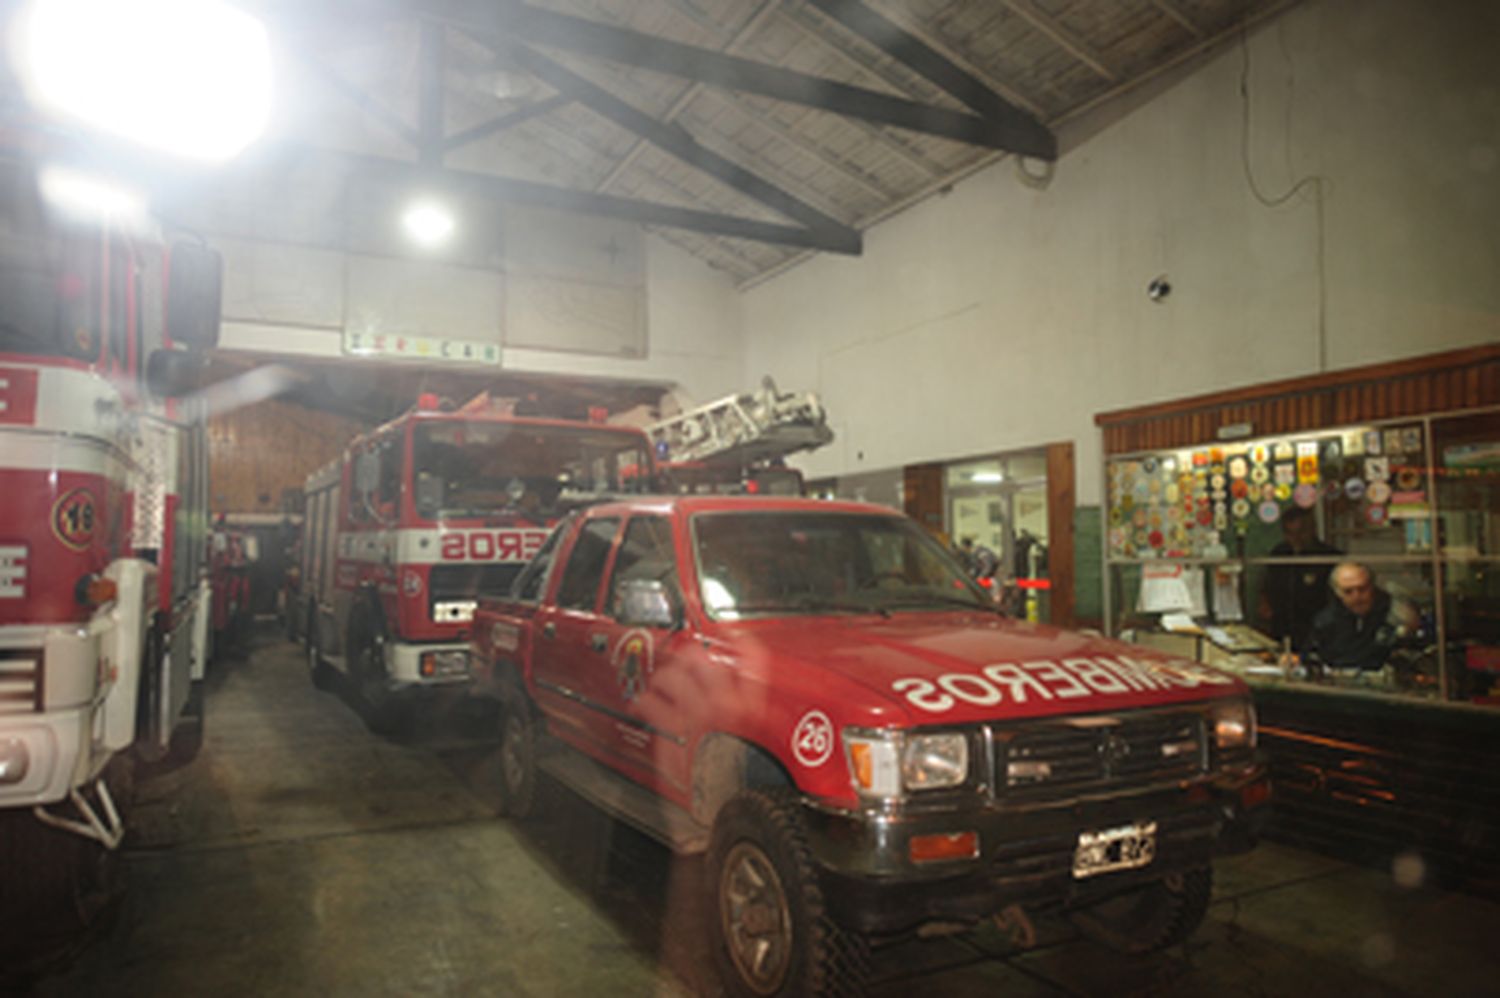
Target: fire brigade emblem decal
pixel 634 658
pixel 73 518
pixel 812 741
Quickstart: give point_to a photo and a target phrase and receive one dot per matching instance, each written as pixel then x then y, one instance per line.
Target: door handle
pixel 549 630
pixel 599 642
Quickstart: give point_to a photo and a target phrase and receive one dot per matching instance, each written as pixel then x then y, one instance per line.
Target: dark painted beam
pixel 522 114
pixel 430 124
pixel 517 21
pixel 673 140
pixel 917 55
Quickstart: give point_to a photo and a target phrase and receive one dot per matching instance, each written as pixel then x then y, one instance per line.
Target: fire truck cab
pixel 418 517
pixel 103 596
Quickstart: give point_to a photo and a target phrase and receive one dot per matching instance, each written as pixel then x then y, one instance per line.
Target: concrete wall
pixel 1002 316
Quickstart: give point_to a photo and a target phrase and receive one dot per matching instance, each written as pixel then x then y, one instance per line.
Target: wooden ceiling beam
pixel 1070 43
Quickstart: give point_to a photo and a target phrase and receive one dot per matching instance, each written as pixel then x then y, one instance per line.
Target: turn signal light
pixel 934 848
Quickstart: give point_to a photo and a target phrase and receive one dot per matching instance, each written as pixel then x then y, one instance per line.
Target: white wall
pixel 999 316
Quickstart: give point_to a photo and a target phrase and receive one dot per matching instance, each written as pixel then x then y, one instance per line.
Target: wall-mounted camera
pixel 1159 288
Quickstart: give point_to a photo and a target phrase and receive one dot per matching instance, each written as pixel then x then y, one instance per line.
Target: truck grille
pixel 449 583
pixel 20 681
pixel 1040 759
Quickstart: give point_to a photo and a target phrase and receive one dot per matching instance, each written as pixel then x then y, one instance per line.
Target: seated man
pixel 1359 628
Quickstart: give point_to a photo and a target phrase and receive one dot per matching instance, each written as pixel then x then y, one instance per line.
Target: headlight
pixel 1234 724
pixel 883 764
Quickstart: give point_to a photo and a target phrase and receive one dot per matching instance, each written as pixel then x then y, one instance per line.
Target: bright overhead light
pixel 428 223
pixel 188 77
pixel 88 198
pixel 987 477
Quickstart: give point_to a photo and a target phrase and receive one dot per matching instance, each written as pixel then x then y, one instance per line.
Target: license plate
pixel 1124 848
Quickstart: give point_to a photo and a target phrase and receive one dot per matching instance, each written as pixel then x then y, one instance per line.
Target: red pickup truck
pixel 819 698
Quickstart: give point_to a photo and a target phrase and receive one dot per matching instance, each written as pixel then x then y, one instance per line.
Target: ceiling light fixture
pixel 429 223
pixel 191 78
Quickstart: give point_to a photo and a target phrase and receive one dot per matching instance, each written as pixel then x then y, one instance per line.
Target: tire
pixel 769 926
pixel 187 736
pixel 384 715
pixel 513 763
pixel 1150 918
pixel 318 670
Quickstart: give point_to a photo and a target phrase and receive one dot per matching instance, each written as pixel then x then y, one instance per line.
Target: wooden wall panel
pixel 257 453
pixel 922 494
pixel 1459 379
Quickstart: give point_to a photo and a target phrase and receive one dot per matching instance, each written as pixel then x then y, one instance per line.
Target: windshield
pixel 471 468
pixel 45 289
pixel 757 564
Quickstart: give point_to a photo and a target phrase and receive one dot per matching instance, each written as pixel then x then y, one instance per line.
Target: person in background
pixel 978 559
pixel 1294 594
pixel 1361 626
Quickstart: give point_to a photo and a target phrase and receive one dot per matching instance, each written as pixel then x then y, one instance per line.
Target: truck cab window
pixel 645 554
pixel 585 568
pixel 529 583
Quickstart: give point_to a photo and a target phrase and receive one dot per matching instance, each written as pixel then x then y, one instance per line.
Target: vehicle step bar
pixel 621 799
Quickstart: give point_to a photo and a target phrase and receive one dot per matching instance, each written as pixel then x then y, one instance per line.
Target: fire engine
pixel 103 598
pixel 738 443
pixel 418 517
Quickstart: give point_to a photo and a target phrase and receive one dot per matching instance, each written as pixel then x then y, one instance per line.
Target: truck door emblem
pixel 633 661
pixel 812 741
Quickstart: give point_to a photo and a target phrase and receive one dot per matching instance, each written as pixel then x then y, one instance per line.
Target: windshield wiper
pixel 942 599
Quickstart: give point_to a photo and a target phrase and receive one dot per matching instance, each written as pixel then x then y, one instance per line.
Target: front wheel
pixel 1150 918
pixel 514 761
pixel 384 713
pixel 317 669
pixel 771 932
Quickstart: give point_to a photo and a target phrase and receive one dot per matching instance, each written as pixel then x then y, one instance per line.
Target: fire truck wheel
pixel 317 670
pixel 187 736
pixel 514 761
pixel 1150 918
pixel 384 714
pixel 772 935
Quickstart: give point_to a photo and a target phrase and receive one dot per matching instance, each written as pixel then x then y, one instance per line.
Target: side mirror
pixel 645 603
pixel 172 374
pixel 429 493
pixel 366 474
pixel 195 280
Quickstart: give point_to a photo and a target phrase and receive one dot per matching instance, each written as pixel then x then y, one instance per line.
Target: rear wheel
pixel 1150 918
pixel 772 935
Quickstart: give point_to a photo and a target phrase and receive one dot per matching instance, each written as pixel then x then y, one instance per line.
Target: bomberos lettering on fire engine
pixel 1071 678
pixel 492 545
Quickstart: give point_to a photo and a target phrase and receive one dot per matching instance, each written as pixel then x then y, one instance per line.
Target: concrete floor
pixel 300 854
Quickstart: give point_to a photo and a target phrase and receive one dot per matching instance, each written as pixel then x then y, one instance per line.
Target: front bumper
pixel 1025 853
pixel 404 666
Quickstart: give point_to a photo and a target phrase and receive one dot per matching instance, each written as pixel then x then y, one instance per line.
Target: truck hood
pixel 960 667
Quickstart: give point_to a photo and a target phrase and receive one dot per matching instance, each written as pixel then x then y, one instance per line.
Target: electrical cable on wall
pixel 1316 182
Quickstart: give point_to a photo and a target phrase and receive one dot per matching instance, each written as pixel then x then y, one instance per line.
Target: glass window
pixel 530 583
pixel 585 569
pixel 754 564
pixel 645 554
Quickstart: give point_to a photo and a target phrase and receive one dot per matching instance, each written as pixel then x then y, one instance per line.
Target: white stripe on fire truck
pixel 38 450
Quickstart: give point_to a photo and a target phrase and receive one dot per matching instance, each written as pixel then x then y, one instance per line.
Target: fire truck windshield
pixel 46 283
pixel 476 467
pixel 777 563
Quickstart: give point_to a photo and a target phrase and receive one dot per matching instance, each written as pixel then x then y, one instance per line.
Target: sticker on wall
pixel 1156 519
pixel 1269 511
pixel 1283 492
pixel 1354 444
pixel 1216 455
pixel 1221 520
pixel 1260 455
pixel 1375 516
pixel 1268 492
pixel 1305 495
pixel 1372 443
pixel 1139 516
pixel 1260 474
pixel 1393 442
pixel 1411 440
pixel 1332 451
pixel 1239 488
pixel 1377 469
pixel 1240 509
pixel 1200 459
pixel 1172 493
pixel 1285 451
pixel 1354 488
pixel 1155 539
pixel 1332 488
pixel 1238 467
pixel 1205 516
pixel 1378 492
pixel 1286 474
pixel 1218 482
pixel 1307 461
pixel 1408 479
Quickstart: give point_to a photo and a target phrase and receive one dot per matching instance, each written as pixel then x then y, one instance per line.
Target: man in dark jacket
pixel 1359 629
pixel 1294 594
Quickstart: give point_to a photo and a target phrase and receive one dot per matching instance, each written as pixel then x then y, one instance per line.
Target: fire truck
pixel 103 597
pixel 738 443
pixel 418 517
